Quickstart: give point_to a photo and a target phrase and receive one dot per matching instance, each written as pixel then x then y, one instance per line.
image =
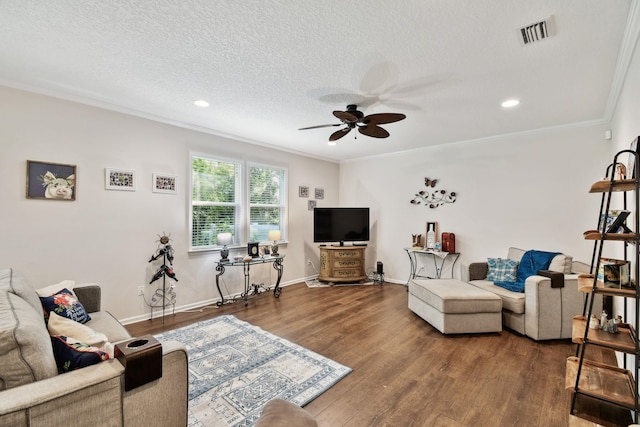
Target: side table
pixel 439 259
pixel 250 289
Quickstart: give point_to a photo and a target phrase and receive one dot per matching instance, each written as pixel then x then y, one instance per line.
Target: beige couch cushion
pixel 454 296
pixel 17 284
pixel 26 354
pixel 104 322
pixel 512 301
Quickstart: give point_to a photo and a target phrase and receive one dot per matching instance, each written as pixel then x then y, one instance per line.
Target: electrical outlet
pixel 140 290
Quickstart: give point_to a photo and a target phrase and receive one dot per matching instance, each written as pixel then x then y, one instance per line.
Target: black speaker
pixel 379 268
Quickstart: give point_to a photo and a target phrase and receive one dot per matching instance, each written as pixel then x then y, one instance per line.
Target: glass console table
pixel 439 259
pixel 250 289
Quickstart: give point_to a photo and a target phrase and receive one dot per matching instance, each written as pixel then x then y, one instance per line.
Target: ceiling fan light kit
pixel 352 118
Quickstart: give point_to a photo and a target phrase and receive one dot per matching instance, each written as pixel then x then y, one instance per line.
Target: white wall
pixel 108 236
pixel 625 127
pixel 528 191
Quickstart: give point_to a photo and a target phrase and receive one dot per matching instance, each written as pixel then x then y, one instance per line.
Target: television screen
pixel 341 225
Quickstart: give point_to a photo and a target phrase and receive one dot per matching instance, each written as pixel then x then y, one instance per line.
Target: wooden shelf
pixel 620 237
pixel 601 381
pixel 617 185
pixel 585 284
pixel 622 341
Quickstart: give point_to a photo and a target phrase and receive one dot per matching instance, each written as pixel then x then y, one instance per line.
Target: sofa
pixel 34 393
pixel 545 310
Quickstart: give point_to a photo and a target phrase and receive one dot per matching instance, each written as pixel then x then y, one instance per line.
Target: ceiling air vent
pixel 537 32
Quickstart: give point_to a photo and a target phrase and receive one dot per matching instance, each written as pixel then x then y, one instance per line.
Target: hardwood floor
pixel 405 373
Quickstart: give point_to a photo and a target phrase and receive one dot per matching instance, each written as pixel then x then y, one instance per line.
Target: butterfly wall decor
pixel 433 198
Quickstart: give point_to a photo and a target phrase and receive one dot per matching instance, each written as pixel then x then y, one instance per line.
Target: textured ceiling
pixel 269 67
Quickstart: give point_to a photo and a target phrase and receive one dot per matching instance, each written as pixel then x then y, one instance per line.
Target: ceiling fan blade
pixel 321 126
pixel 373 131
pixel 339 134
pixel 345 117
pixel 382 118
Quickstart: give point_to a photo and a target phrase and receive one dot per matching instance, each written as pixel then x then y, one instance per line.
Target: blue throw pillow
pixel 70 354
pixel 502 270
pixel 64 303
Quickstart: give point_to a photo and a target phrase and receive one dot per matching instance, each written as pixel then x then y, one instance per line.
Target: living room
pixel 526 189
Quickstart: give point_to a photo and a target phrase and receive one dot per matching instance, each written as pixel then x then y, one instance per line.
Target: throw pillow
pixel 502 270
pixel 71 354
pixel 59 325
pixel 65 304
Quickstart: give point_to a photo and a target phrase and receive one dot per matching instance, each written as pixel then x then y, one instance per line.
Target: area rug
pixel 235 368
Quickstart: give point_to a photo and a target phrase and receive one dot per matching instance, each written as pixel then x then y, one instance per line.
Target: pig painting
pixel 58 188
pixel 51 181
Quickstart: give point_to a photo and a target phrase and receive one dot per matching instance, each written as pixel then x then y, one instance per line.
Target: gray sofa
pixel 541 312
pixel 32 393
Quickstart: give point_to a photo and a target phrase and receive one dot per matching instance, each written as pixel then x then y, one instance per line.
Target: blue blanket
pixel 531 262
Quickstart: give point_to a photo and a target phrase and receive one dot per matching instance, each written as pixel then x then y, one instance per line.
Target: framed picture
pixel 120 179
pixel 163 183
pixel 319 193
pixel 51 181
pixel 303 191
pixel 311 205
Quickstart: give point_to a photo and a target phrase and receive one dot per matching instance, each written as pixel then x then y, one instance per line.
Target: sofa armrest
pixel 83 393
pixel 549 311
pixel 90 297
pixel 474 271
pixel 166 398
pixel 557 279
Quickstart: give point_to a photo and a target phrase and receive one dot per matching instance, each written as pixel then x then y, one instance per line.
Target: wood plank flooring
pixel 405 373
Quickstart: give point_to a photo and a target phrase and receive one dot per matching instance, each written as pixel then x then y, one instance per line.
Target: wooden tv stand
pixel 342 264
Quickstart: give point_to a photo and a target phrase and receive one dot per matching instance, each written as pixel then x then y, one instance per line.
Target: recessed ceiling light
pixel 510 103
pixel 201 103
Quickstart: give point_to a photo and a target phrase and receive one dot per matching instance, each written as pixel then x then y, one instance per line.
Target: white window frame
pixel 243 226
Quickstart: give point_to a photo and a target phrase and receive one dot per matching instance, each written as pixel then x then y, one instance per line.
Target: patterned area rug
pixel 235 368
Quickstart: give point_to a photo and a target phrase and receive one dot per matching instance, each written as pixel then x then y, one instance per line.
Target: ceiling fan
pixel 366 125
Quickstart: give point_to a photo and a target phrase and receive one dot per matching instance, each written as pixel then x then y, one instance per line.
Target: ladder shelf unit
pixel 608 384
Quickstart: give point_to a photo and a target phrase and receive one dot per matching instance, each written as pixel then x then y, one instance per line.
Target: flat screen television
pixel 340 225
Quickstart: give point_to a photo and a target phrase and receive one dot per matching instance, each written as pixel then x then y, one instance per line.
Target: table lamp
pixel 224 239
pixel 275 236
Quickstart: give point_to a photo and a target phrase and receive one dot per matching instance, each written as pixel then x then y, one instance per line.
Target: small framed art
pixel 319 193
pixel 51 181
pixel 163 183
pixel 120 179
pixel 303 191
pixel 311 205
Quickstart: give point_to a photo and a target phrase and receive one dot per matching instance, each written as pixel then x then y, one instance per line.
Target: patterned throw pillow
pixel 71 354
pixel 502 270
pixel 65 304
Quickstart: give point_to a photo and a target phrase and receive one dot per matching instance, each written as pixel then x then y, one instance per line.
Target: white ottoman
pixel 455 307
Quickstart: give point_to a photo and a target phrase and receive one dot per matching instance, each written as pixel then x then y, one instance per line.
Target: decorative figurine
pixel 610 327
pixel 603 318
pixel 594 323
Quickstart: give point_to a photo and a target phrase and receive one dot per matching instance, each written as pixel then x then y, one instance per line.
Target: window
pixel 226 200
pixel 266 191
